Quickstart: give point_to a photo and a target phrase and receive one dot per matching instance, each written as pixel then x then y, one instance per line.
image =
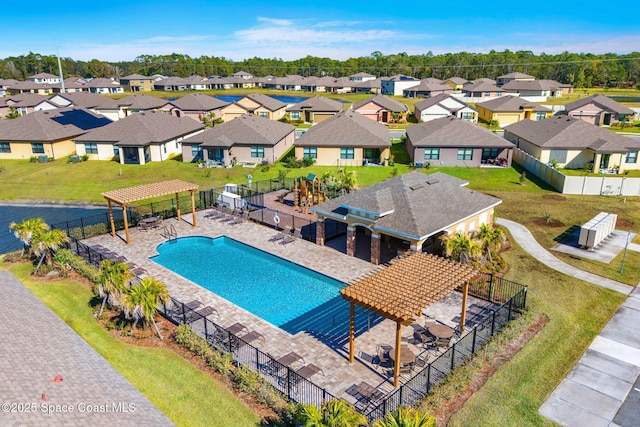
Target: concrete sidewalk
pixel 603 387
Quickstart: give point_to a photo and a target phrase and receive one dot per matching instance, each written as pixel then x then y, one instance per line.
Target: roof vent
pixel 416 187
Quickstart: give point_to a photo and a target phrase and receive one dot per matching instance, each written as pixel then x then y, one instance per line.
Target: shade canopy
pixel 401 291
pixel 125 196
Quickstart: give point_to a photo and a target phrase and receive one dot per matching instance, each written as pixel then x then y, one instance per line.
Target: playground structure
pixel 307 192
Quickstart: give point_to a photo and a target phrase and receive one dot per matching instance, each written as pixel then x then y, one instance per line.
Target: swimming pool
pixel 279 291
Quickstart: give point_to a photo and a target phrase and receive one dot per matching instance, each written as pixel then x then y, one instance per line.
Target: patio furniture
pixel 443 344
pixel 151 222
pixel 406 355
pixel 252 336
pixel 425 339
pixel 180 308
pixel 192 316
pixel 290 358
pixel 309 370
pixel 365 394
pixel 291 238
pixel 236 328
pixel 383 354
pixel 441 331
pixel 281 235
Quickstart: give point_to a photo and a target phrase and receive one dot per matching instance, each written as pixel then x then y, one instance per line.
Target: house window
pixel 5 147
pixel 465 153
pixel 466 116
pixel 498 93
pixel 372 154
pixel 295 115
pixel 310 152
pixel 541 116
pixel 164 148
pixel 116 152
pixel 257 152
pixel 37 148
pixel 490 153
pixel 487 94
pixel 632 157
pixel 559 156
pixel 91 148
pixel 196 151
pixel 432 154
pixel 347 153
pixel 263 114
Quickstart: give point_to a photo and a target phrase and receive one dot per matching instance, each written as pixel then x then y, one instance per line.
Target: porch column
pixel 126 223
pixel 193 208
pixel 178 205
pixel 351 241
pixel 320 232
pixel 352 331
pixel 463 314
pixel 375 248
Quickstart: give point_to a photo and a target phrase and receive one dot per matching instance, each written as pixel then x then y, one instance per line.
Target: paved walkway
pixel 603 388
pixel 528 243
pixel 37 346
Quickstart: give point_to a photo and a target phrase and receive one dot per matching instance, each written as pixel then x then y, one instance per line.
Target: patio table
pixel 441 331
pixel 406 355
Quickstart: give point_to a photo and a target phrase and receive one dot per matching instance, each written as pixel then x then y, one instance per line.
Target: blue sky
pixel 119 30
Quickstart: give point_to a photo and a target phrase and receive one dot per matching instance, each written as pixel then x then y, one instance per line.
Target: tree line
pixel 578 69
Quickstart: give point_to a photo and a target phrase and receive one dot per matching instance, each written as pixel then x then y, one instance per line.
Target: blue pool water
pixel 281 292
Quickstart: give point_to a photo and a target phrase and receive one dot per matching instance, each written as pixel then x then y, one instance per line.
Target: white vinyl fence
pixel 610 185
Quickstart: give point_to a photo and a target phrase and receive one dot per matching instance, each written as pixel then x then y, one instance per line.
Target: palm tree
pixel 461 247
pixel 113 282
pixel 492 238
pixel 44 244
pixel 335 413
pixel 406 417
pixel 142 301
pixel 27 229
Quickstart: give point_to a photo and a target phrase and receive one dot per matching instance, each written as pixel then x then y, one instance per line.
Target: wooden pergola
pixel 125 196
pixel 403 290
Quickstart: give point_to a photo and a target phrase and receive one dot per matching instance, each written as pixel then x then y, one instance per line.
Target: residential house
pixel 99 104
pixel 340 85
pixel 136 103
pixel 394 85
pixel 535 90
pixel 147 136
pixel 197 106
pixel 44 78
pixel 231 111
pixel 263 106
pixel 382 109
pixel 345 139
pixel 361 77
pixel 242 75
pixel 572 143
pixel 408 212
pixel 32 87
pixel 456 83
pixel 74 84
pixel 444 105
pixel 366 86
pixel 426 90
pixel 515 76
pixel 315 110
pixel 481 90
pixel 171 84
pixel 449 141
pixel 47 133
pixel 137 83
pixel 247 139
pixel 599 110
pixel 511 109
pixel 195 82
pixel 5 84
pixel 104 86
pixel 24 103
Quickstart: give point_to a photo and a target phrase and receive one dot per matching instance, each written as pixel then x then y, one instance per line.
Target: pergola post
pixel 375 248
pixel 396 364
pixel 178 206
pixel 351 241
pixel 113 226
pixel 126 223
pixel 463 314
pixel 352 331
pixel 193 208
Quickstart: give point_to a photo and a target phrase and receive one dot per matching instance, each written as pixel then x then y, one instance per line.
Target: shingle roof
pixel 452 132
pixel 43 76
pixel 483 85
pixel 142 102
pixel 317 103
pixel 267 102
pixel 135 77
pixel 603 101
pixel 102 82
pixel 482 79
pixel 199 102
pixel 170 81
pixel 414 204
pixel 51 125
pixel 428 87
pixel 385 102
pixel 23 100
pixel 143 129
pixel 248 129
pixel 346 129
pixel 565 132
pixel 89 100
pixel 457 80
pixel 437 99
pixel 516 75
pixel 511 103
pixel 531 85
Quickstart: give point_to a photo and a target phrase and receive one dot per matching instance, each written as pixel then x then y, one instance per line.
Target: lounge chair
pixel 290 238
pixel 252 336
pixel 281 235
pixel 290 358
pixel 192 316
pixel 309 370
pixel 297 233
pixel 214 214
pixel 236 328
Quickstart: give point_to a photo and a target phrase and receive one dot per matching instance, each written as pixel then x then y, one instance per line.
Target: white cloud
pixel 274 21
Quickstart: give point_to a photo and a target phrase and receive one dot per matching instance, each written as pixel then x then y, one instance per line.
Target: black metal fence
pixel 435 372
pixel 284 379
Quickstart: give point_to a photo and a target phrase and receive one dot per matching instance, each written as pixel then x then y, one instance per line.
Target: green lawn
pixel 185 394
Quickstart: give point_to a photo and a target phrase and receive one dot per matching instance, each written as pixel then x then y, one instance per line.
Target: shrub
pixel 89 231
pixel 66 257
pixel 221 362
pixel 265 168
pixel 247 380
pixel 308 161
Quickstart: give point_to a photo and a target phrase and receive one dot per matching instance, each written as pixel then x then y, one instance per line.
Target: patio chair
pixel 426 339
pixel 180 308
pixel 252 336
pixel 236 328
pixel 297 233
pixel 192 316
pixel 383 354
pixel 281 235
pixel 309 370
pixel 443 344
